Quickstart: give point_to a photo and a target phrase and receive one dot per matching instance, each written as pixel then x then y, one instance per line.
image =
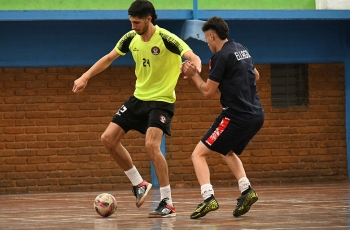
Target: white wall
pixel 333 4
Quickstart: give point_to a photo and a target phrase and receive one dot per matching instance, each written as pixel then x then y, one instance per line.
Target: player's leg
pixel 153 140
pixel 248 195
pixel 121 123
pixel 199 159
pixel 214 140
pixel 235 165
pixel 245 129
pixel 160 115
pixel 111 140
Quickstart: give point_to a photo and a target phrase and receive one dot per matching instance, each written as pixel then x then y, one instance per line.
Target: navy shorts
pixel 139 115
pixel 232 132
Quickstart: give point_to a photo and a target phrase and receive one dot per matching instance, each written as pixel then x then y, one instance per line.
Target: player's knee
pixel 152 146
pixel 106 141
pixel 194 156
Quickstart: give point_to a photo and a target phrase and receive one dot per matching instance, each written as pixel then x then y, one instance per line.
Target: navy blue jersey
pixel 232 67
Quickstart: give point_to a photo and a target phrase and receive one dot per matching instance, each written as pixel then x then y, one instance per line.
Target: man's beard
pixel 144 30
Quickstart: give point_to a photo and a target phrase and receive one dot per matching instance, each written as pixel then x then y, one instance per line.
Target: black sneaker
pixel 210 204
pixel 244 203
pixel 163 210
pixel 140 191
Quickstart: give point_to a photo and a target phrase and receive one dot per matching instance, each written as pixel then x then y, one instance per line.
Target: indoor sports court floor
pixel 292 206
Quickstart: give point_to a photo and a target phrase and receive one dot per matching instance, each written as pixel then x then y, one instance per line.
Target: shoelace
pixel 204 203
pixel 199 205
pixel 135 188
pixel 162 204
pixel 238 201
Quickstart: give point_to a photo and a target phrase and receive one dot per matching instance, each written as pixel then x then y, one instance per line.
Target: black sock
pixel 246 191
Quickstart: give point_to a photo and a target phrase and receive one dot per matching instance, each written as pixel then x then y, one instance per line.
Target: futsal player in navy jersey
pixel 232 72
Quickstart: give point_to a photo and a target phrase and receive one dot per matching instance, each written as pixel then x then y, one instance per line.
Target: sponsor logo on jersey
pixel 210 62
pixel 155 50
pixel 242 55
pixel 135 49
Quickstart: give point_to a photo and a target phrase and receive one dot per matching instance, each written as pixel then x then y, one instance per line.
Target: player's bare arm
pixel 257 75
pixel 207 88
pixel 99 66
pixel 192 57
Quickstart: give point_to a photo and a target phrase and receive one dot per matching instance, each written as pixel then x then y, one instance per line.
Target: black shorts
pixel 232 132
pixel 139 115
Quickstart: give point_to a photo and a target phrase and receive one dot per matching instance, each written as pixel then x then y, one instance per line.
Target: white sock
pixel 243 184
pixel 134 176
pixel 207 190
pixel 165 192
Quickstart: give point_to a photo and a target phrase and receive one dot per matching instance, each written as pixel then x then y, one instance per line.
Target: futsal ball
pixel 105 204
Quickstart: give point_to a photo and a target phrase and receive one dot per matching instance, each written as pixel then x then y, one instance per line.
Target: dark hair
pixel 142 9
pixel 218 25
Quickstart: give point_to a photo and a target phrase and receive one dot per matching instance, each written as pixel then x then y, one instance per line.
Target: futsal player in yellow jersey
pixel 157 63
pixel 157 54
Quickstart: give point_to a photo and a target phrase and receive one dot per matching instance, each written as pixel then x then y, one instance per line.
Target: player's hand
pixel 80 84
pixel 188 69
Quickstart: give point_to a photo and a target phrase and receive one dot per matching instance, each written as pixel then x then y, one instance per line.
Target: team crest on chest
pixel 162 119
pixel 155 50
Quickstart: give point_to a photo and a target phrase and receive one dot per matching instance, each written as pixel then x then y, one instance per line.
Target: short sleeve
pixel 173 43
pixel 217 70
pixel 123 44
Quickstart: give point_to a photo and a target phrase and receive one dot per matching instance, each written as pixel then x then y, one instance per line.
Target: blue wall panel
pixel 290 41
pixel 81 43
pixel 58 43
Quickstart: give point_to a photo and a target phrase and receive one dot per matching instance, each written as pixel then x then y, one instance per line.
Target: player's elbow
pixel 109 58
pixel 208 91
pixel 208 95
pixel 257 75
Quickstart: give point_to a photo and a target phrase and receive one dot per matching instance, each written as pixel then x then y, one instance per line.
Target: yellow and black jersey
pixel 157 61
